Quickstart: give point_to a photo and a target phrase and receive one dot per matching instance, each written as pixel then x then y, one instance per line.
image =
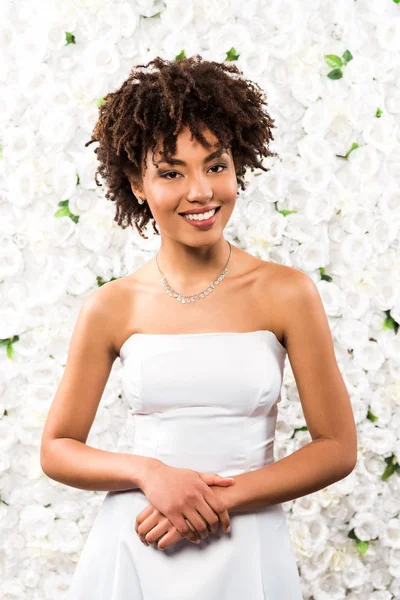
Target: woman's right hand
pixel 181 494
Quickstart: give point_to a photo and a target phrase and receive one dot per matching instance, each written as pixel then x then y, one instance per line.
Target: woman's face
pixel 170 188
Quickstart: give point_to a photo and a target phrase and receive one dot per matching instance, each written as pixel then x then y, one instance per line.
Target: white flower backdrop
pixel 330 206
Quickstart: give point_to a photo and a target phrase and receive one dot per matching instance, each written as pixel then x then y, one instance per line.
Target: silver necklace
pixel 203 294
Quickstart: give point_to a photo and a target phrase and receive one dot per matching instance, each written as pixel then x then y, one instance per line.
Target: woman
pixel 203 378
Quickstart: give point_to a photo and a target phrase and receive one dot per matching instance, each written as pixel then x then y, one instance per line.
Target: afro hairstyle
pixel 154 105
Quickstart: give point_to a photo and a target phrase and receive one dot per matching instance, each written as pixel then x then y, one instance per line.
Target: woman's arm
pixel 64 455
pixel 309 469
pixel 78 465
pixel 332 453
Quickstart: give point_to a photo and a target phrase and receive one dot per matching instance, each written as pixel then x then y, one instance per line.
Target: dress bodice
pixel 206 401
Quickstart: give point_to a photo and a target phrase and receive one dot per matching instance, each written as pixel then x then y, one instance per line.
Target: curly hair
pixel 188 91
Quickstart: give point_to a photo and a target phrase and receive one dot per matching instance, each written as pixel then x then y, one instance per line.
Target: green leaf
pixel 65 212
pixel 362 547
pixel 181 55
pixel 332 60
pixel 8 343
pixel 353 147
pixel 324 276
pixel 371 416
pixel 352 535
pixel 335 74
pixel 347 56
pixel 10 350
pixel 155 16
pixel 391 322
pixel 392 466
pixel 101 281
pixel 388 323
pixel 232 54
pixel 286 212
pixel 70 38
pixel 378 112
pixel 100 102
pixel 304 428
pixel 77 179
pixel 396 1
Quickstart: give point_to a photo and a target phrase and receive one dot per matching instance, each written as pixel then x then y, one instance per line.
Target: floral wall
pixel 330 206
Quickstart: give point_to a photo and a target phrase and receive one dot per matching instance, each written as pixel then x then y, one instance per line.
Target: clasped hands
pixel 183 504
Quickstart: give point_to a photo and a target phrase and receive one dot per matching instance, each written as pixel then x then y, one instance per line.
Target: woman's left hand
pixel 151 525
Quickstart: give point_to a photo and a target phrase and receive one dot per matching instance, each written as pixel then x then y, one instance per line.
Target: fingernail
pixel 228 529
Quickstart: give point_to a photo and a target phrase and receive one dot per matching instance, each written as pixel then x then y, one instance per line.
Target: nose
pixel 199 190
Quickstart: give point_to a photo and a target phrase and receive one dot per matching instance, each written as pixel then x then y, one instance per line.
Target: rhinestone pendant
pixel 188 299
pixel 202 295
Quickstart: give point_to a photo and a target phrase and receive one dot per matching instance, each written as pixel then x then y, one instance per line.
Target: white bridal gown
pixel 207 402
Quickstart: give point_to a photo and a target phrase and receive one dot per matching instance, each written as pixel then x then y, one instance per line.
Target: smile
pixel 199 221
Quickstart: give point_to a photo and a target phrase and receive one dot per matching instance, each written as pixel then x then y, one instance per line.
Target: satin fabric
pixel 207 402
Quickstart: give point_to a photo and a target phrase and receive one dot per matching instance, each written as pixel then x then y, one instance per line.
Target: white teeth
pixel 201 217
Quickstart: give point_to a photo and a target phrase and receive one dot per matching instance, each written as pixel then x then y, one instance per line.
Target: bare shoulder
pixel 278 273
pixel 297 308
pixel 300 298
pixel 103 299
pixel 280 287
pixel 115 304
pixel 285 281
pixel 106 304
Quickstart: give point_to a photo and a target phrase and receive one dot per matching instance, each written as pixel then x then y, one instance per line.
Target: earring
pixel 140 200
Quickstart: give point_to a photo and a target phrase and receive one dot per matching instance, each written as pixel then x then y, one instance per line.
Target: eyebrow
pixel 176 161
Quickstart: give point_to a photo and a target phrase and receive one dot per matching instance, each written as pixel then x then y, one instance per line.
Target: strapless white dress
pixel 208 402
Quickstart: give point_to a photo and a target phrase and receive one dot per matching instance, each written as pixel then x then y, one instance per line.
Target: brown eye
pixel 165 175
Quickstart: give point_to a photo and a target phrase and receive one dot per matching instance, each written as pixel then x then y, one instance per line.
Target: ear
pixel 138 191
pixel 136 187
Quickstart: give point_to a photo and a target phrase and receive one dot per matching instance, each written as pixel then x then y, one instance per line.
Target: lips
pixel 217 208
pixel 199 211
pixel 202 223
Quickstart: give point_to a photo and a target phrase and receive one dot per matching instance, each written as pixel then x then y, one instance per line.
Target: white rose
pixel 102 57
pixel 36 521
pixel 366 526
pixel 363 498
pixel 391 534
pixel 379 440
